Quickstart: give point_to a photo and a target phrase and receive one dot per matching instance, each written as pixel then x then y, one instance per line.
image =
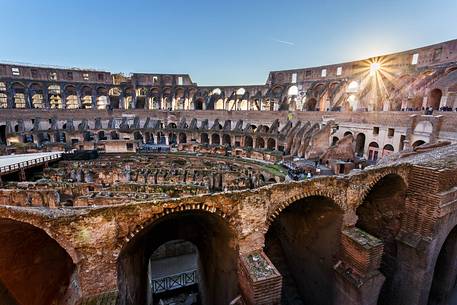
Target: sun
pixel 374 67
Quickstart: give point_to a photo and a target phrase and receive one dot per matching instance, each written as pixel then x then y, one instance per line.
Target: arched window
pixel 373 151
pixel 353 87
pixel 293 91
pixel 387 150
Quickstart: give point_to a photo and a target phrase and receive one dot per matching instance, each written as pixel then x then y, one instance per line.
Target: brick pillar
pixel 358 280
pixel 260 281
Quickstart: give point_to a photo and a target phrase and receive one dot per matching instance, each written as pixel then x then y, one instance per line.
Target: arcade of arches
pixel 146 229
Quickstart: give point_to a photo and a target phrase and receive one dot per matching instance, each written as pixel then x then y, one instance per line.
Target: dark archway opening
pixel 311 105
pixel 259 143
pixel 182 138
pixel 114 135
pixel 137 136
pixel 303 243
pixel 215 139
pixel 204 139
pixel 34 268
pixel 140 102
pixel 271 144
pixel 199 104
pixel 435 98
pixel 172 139
pixel 380 215
pixel 217 256
pixel 418 143
pixel 444 284
pixel 360 144
pixel 226 140
pixel 3 134
pixel 248 142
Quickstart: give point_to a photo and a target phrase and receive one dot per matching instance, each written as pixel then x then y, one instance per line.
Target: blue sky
pixel 217 42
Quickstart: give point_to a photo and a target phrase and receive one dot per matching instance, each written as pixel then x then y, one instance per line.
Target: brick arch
pixel 203 225
pixel 271 216
pixel 58 238
pixel 180 208
pixel 49 273
pixel 375 179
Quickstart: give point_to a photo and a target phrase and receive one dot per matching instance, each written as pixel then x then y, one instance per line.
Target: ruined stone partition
pixel 384 235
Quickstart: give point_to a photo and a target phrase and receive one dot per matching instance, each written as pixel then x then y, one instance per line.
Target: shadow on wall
pixel 34 268
pixel 303 243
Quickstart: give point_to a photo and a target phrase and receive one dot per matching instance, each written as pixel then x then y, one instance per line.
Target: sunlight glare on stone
pixel 374 67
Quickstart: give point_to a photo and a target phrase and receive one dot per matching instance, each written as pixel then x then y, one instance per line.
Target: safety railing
pixel 174 281
pixel 23 164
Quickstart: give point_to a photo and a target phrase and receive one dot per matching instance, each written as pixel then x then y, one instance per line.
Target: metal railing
pixel 174 281
pixel 23 164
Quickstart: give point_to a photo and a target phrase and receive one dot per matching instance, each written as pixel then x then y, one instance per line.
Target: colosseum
pixel 327 185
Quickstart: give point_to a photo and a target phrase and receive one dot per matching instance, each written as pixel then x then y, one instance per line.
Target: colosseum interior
pixel 327 185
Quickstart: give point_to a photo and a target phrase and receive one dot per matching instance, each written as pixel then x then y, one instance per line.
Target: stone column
pixel 10 96
pixel 63 97
pixel 121 100
pixel 94 99
pixel 28 98
pixel 46 98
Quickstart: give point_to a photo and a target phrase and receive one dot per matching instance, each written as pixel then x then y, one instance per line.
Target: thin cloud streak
pixel 283 42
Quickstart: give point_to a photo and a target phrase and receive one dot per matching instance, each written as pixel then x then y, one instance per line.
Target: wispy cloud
pixel 289 43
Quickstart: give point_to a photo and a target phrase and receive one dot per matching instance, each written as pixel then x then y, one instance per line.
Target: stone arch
pixel 72 99
pixel 36 95
pixel 204 139
pixel 311 104
pixel 114 97
pixel 47 268
pixel 387 150
pixel 205 227
pixel 271 216
pixel 418 143
pixel 445 271
pixel 215 139
pixel 353 87
pixel 248 141
pixel 259 143
pixel 19 95
pixel 271 144
pixel 293 91
pixel 360 144
pixel 114 135
pixel 435 98
pixel 226 139
pixel 128 98
pixel 373 151
pixel 172 138
pixel 54 96
pixel 86 97
pixel 138 136
pixel 380 214
pixel 3 96
pixel 303 242
pixel 102 101
pixel 182 138
pixel 199 103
